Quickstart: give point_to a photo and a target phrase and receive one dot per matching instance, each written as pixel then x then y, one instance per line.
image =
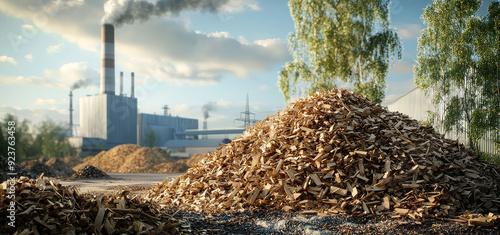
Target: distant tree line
pixel 47 139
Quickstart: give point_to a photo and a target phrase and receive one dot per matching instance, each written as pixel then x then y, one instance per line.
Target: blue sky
pixel 183 61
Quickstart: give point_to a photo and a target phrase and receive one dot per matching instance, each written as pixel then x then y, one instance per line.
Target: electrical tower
pixel 245 116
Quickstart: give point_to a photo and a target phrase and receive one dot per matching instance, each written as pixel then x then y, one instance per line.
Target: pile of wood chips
pixel 59 167
pixel 91 172
pixel 195 159
pixel 337 152
pixel 8 166
pixel 43 206
pixel 127 158
pixel 39 167
pixel 71 161
pixel 178 166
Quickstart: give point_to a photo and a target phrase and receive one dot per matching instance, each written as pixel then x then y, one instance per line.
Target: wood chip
pixel 338 152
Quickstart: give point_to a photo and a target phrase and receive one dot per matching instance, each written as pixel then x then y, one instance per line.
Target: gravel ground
pixel 279 222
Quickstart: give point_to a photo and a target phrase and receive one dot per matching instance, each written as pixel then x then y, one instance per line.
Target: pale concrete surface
pixel 117 181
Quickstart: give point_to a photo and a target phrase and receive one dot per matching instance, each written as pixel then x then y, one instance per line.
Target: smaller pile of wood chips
pixel 59 167
pixel 7 167
pixel 38 167
pixel 43 206
pixel 337 152
pixel 128 158
pixel 71 161
pixel 90 172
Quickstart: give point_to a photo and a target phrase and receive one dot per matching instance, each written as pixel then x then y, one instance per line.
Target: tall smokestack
pixel 205 128
pixel 121 83
pixel 132 88
pixel 108 59
pixel 71 114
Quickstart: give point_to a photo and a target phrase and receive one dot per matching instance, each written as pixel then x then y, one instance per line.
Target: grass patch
pixel 491 158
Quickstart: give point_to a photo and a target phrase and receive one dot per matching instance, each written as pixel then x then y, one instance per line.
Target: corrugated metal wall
pixel 93 117
pixel 109 117
pixel 122 119
pixel 165 127
pixel 415 104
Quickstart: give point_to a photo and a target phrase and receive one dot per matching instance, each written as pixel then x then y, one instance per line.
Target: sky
pixel 183 59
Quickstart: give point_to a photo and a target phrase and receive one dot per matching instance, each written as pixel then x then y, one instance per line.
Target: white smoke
pixel 119 12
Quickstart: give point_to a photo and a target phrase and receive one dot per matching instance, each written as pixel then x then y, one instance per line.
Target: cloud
pixel 39 101
pixel 233 6
pixel 65 77
pixel 5 58
pixel 54 48
pixel 119 12
pixel 28 27
pixel 29 57
pixel 401 67
pixel 74 75
pixel 161 48
pixel 36 115
pixel 223 103
pixel 63 111
pixel 181 107
pixel 263 87
pixel 34 80
pixel 185 56
pixel 409 31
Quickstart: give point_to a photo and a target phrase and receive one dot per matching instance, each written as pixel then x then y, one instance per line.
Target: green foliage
pixel 491 158
pixel 48 141
pixel 458 62
pixel 344 40
pixel 22 135
pixel 3 142
pixel 150 138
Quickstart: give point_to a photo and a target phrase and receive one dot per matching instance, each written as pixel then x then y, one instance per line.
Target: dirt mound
pixel 19 170
pixel 46 207
pixel 38 167
pixel 90 171
pixel 59 167
pixel 337 152
pixel 127 158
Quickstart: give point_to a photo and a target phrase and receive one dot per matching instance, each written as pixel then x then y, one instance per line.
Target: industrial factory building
pixel 108 119
pixel 165 127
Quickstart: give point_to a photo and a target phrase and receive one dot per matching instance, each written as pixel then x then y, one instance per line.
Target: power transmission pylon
pixel 245 116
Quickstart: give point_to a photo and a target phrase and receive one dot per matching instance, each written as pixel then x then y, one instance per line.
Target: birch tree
pixel 340 40
pixel 458 63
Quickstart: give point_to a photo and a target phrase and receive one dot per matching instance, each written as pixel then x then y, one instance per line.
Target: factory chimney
pixel 71 114
pixel 132 88
pixel 121 83
pixel 107 59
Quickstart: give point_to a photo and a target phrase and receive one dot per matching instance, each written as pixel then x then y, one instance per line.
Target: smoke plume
pixel 208 107
pixel 82 83
pixel 119 12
